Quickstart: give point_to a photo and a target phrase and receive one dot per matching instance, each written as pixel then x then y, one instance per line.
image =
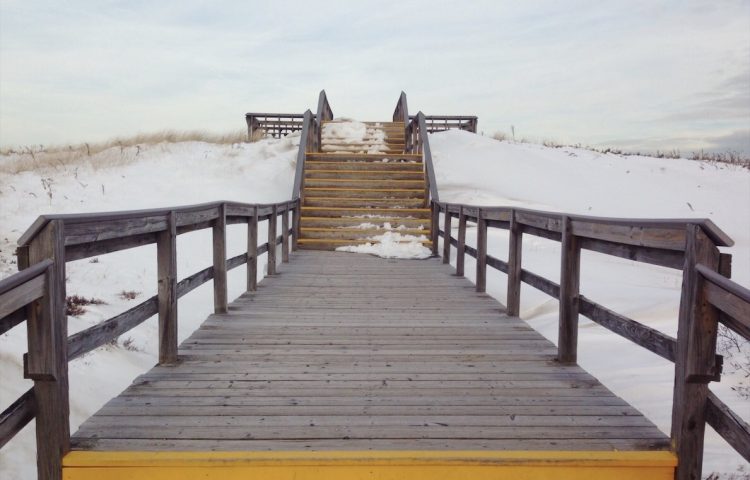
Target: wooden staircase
pixel 354 192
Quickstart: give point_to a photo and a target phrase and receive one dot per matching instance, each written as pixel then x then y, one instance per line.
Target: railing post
pixel 447 236
pixel 47 361
pixel 694 358
pixel 272 241
pixel 252 251
pixel 514 266
pixel 166 266
pixel 295 224
pixel 435 227
pixel 481 279
pixel 220 260
pixel 285 235
pixel 461 247
pixel 570 268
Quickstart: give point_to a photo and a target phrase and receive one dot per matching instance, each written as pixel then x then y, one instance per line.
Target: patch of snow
pixel 392 245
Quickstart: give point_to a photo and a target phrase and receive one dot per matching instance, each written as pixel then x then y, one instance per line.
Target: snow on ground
pixel 470 169
pixel 392 245
pixel 150 176
pixel 350 136
pixel 478 170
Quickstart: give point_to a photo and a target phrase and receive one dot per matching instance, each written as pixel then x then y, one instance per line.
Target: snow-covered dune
pixel 478 170
pixel 149 176
pixel 470 169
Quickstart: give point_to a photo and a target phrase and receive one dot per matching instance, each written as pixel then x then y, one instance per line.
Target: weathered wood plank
pixel 729 425
pixel 219 236
pixel 98 335
pixel 323 356
pixel 272 241
pixel 166 266
pixel 47 360
pixel 569 281
pixel 481 254
pixel 17 416
pixel 695 321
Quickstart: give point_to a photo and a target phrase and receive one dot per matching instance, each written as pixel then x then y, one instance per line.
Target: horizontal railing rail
pixel 275 125
pixel 689 245
pixel 37 294
pixel 441 123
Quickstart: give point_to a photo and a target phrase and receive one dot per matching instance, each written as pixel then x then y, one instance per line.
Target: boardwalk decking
pixel 350 352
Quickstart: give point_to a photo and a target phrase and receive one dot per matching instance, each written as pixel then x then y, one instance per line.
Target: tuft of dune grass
pixel 39 157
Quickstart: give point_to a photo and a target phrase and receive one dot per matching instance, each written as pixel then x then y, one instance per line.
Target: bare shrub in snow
pixel 501 136
pixel 39 157
pixel 736 351
pixel 129 345
pixel 74 304
pixel 129 294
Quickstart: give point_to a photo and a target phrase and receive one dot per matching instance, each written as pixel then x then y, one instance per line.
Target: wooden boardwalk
pixel 351 352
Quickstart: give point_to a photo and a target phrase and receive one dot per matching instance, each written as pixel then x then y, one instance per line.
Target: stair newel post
pixel 514 266
pixel 252 251
pixel 296 224
pixel 47 361
pixel 435 227
pixel 461 246
pixel 447 235
pixel 285 234
pixel 570 273
pixel 481 277
pixel 166 265
pixel 220 260
pixel 272 240
pixel 695 363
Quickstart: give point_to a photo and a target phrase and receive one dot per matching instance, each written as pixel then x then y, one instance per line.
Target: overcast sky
pixel 636 74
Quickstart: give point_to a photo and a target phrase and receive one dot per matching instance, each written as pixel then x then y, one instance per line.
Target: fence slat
pixel 569 282
pixel 166 266
pixel 689 400
pixel 220 261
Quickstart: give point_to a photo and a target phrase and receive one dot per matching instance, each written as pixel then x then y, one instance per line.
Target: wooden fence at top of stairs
pixel 371 331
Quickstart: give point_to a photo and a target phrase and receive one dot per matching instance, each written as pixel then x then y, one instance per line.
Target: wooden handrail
pixel 401 114
pixel 686 244
pixel 308 126
pixel 441 123
pixel 324 114
pixel 54 240
pixel 275 124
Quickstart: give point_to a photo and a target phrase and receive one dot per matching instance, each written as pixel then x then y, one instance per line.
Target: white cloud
pixel 580 71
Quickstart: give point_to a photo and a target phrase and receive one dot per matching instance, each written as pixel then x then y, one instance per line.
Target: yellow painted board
pixel 384 465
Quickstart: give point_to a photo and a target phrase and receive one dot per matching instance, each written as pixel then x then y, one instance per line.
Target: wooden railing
pixel 708 297
pixel 324 114
pixel 401 114
pixel 37 294
pixel 275 125
pixel 310 141
pixel 441 123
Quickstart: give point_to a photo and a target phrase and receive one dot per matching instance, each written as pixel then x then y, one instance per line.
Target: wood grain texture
pixel 341 350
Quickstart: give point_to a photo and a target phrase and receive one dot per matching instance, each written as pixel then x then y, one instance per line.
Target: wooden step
pixel 333 244
pixel 364 202
pixel 365 157
pixel 358 165
pixel 365 192
pixel 422 213
pixel 361 149
pixel 323 222
pixel 376 183
pixel 355 233
pixel 370 123
pixel 362 174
